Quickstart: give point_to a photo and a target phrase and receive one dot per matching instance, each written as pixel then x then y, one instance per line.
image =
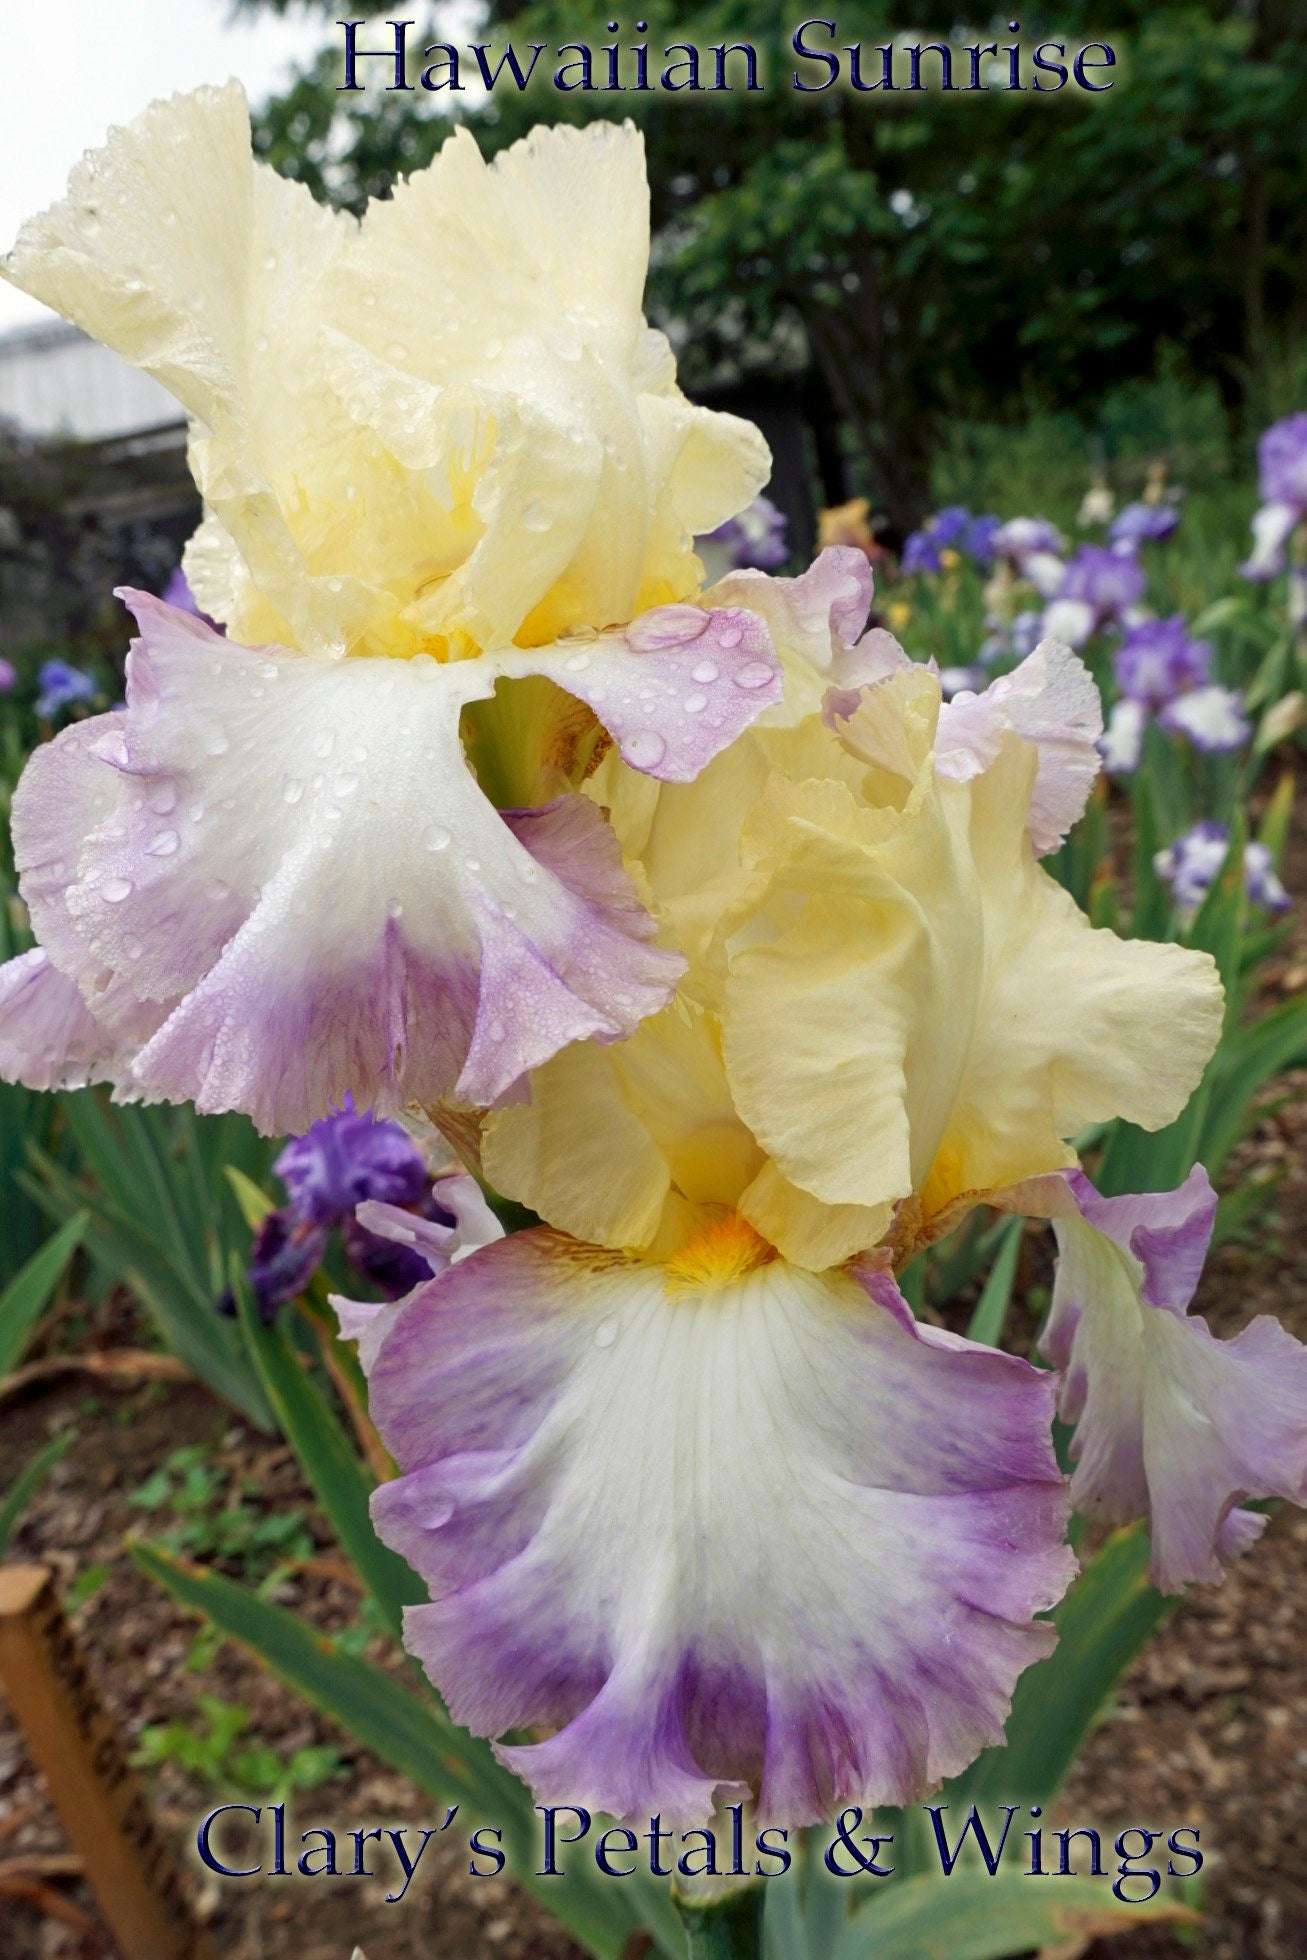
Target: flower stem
pixel 728 1929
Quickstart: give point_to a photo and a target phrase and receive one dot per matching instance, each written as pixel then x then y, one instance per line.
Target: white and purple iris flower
pixel 1098 587
pixel 1163 672
pixel 697 922
pixel 1194 860
pixel 1282 468
pixel 273 878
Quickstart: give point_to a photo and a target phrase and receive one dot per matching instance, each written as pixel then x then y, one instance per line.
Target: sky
pixel 106 60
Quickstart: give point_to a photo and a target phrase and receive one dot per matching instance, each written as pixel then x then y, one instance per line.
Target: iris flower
pixel 1282 474
pixel 695 920
pixel 690 1486
pixel 450 487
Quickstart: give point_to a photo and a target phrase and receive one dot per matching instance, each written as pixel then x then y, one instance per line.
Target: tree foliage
pixel 919 254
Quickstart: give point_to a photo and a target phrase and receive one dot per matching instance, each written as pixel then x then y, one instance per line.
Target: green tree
pixel 920 254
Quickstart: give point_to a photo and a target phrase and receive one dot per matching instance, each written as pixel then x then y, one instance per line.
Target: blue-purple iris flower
pixel 1190 864
pixel 1099 587
pixel 951 529
pixel 1163 671
pixel 1141 523
pixel 1158 659
pixel 61 686
pixel 755 539
pixel 341 1161
pixel 8 676
pixel 1282 480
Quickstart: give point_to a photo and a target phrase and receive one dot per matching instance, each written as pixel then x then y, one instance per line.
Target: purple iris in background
pixel 1161 670
pixel 1141 523
pixel 341 1161
pixel 1190 864
pixel 951 529
pixel 1099 587
pixel 755 539
pixel 1282 480
pixel 1157 659
pixel 61 686
pixel 8 675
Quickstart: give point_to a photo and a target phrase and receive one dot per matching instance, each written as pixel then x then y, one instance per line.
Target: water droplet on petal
pixel 494 348
pixel 756 674
pixel 437 838
pixel 292 789
pixel 162 798
pixel 730 636
pixel 694 704
pixel 132 947
pixel 536 518
pixel 705 672
pixel 345 785
pixel 606 1332
pixel 473 863
pixel 497 1031
pixel 218 743
pixel 115 890
pixel 324 743
pixel 441 1511
pixel 269 670
pixel 576 663
pixel 645 749
pixel 164 844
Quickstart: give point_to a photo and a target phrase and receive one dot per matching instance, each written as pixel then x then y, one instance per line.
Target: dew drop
pixel 576 663
pixel 162 797
pixel 270 262
pixel 705 672
pixel 442 1510
pixel 335 585
pixel 473 864
pixel 292 789
pixel 269 670
pixel 133 947
pixel 494 348
pixel 323 744
pixel 606 1332
pixel 644 749
pixel 395 909
pixel 497 1031
pixel 218 743
pixel 164 844
pixel 694 704
pixel 729 637
pixel 437 838
pixel 115 890
pixel 536 518
pixel 756 674
pixel 218 891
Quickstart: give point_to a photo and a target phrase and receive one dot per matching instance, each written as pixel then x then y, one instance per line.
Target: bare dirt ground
pixel 1209 1728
